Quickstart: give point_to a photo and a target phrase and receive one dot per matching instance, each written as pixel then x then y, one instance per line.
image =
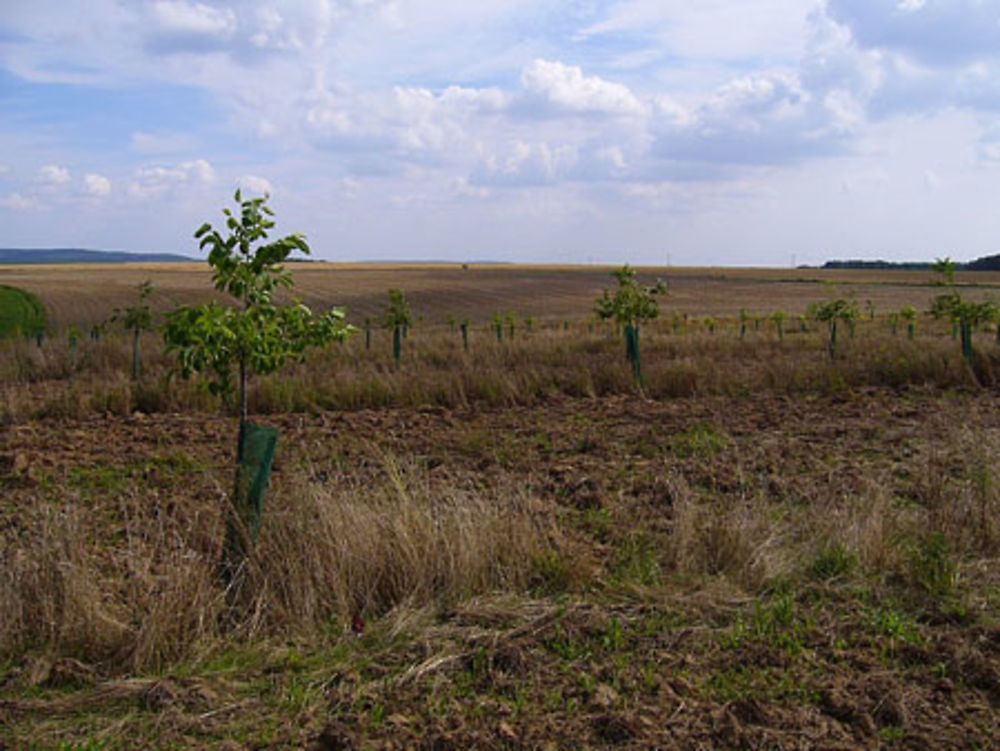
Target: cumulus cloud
pixel 96 185
pixel 152 182
pixel 403 126
pixel 881 60
pixel 255 184
pixel 180 26
pixel 759 120
pixel 565 88
pixel 53 174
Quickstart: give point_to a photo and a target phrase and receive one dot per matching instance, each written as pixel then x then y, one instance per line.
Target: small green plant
pixel 630 306
pixel 744 317
pixel 830 313
pixel 565 646
pixel 965 315
pixel 778 318
pixel 637 560
pixel 73 337
pixel 613 638
pixel 909 314
pixel 776 623
pixel 945 269
pixel 932 565
pixel 893 626
pixel 893 319
pixel 228 344
pixel 136 319
pixel 702 439
pixel 892 734
pixel 397 317
pixel 832 562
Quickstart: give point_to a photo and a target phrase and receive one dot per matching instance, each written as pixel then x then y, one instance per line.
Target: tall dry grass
pixel 869 534
pixel 143 592
pixel 581 361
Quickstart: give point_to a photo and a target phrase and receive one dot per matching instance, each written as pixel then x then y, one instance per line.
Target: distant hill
pixel 78 255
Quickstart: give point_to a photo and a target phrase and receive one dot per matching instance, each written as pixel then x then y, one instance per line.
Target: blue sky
pixel 724 132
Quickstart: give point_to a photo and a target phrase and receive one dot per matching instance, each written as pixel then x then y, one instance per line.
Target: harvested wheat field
pixel 85 294
pixel 507 542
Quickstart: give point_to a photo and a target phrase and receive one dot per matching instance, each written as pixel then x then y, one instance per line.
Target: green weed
pixel 637 561
pixel 832 562
pixel 701 440
pixel 932 565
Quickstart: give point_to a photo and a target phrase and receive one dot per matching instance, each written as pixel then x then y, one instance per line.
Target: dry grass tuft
pixel 327 551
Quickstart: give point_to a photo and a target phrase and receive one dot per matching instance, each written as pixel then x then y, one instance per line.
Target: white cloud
pixel 936 32
pixel 763 119
pixel 179 26
pixel 151 182
pixel 565 88
pixel 53 174
pixel 525 164
pixel 18 202
pixel 96 185
pixel 255 184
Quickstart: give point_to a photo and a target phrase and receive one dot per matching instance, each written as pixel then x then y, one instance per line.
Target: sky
pixel 717 132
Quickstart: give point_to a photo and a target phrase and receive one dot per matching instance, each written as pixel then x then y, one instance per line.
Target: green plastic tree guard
pixel 254 457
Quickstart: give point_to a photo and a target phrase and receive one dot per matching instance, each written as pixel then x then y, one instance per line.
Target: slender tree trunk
pixel 135 354
pixel 243 392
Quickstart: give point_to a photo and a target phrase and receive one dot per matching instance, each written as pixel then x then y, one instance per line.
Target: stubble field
pixel 510 545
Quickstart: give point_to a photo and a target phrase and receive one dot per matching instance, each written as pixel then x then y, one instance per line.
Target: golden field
pixel 84 294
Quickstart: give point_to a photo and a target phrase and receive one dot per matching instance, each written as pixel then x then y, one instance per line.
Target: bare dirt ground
pixel 634 649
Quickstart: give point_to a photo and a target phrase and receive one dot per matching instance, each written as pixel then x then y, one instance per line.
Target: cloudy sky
pixel 747 132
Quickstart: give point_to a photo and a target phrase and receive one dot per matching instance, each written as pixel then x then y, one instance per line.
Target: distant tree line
pixel 986 263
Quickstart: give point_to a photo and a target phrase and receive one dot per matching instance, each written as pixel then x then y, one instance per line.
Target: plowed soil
pixel 654 657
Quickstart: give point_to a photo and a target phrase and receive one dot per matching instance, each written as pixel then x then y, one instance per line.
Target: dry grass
pixel 86 294
pixel 581 360
pixel 147 594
